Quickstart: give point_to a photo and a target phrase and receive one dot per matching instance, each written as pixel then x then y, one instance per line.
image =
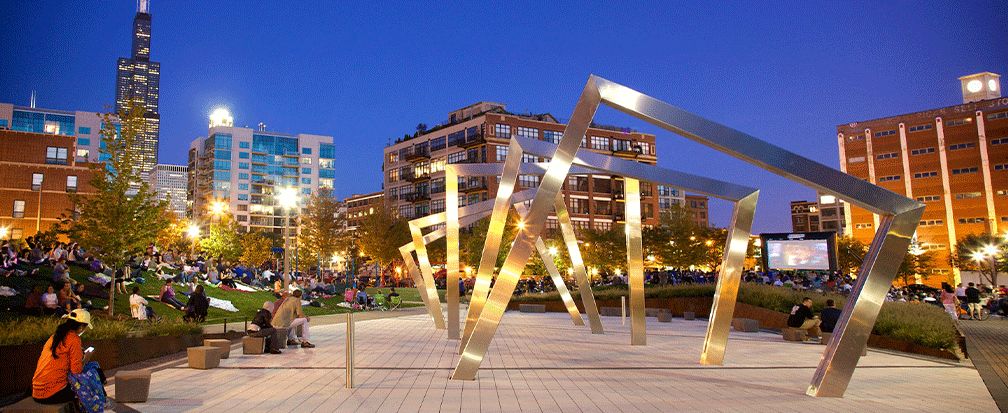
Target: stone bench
pixel 203 357
pixel 531 308
pixel 611 311
pixel 794 334
pixel 30 405
pixel 688 315
pixel 223 344
pixel 665 316
pixel 745 325
pixel 253 345
pixel 280 337
pixel 652 312
pixel 132 386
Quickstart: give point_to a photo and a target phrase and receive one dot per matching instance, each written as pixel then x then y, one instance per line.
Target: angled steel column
pixel 430 287
pixel 577 263
pixel 521 249
pixel 551 268
pixel 728 281
pixel 488 260
pixel 433 308
pixel 452 251
pixel 635 261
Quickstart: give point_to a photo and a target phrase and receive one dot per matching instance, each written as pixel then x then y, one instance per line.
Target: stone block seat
pixel 253 345
pixel 30 405
pixel 610 311
pixel 203 357
pixel 280 337
pixel 688 315
pixel 223 344
pixel 132 386
pixel 745 325
pixel 665 316
pixel 794 334
pixel 651 312
pixel 531 308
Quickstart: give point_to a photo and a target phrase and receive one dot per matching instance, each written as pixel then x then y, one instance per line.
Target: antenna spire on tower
pixel 32 102
pixel 143 6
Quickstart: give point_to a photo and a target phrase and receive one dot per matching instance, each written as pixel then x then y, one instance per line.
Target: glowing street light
pixel 221 117
pixel 468 270
pixel 4 231
pixel 978 256
pixel 287 198
pixel 521 225
pixel 709 243
pixel 193 231
pixel 218 208
pixel 553 251
pixel 990 250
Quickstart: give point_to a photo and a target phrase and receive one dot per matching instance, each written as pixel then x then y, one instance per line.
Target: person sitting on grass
pixel 289 314
pixel 196 309
pixel 61 355
pixel 168 296
pixel 33 303
pixel 50 301
pixel 261 326
pixel 802 318
pixel 362 298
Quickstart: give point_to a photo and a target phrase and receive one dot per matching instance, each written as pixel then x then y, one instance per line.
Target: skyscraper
pixel 137 80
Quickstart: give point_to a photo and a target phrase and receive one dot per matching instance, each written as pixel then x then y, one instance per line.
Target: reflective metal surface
pixel 349 350
pixel 635 261
pixel 452 252
pixel 551 269
pixel 577 263
pixel 729 278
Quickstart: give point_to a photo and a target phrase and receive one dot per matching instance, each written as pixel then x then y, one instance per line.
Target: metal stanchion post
pixel 349 350
pixel 622 310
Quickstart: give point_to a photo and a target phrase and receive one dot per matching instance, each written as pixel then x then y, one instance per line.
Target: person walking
pixel 973 301
pixel 948 300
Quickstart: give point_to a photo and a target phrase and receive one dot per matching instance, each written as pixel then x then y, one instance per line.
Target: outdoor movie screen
pixel 798 254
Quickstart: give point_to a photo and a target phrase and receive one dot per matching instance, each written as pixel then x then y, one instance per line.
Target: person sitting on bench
pixel 289 314
pixel 261 327
pixel 802 318
pixel 829 315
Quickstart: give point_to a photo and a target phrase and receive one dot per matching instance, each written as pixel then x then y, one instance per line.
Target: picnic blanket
pixel 7 291
pixel 225 305
pixel 100 279
pixel 239 287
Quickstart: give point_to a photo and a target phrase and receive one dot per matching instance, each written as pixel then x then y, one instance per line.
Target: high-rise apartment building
pixel 246 168
pixel 38 174
pixel 137 81
pixel 414 166
pixel 826 214
pixel 953 159
pixel 169 182
pixel 85 127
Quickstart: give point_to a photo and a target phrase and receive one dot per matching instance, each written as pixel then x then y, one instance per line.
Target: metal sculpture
pixel 900 218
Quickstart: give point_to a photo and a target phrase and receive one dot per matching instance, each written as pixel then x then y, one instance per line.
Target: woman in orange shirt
pixel 61 355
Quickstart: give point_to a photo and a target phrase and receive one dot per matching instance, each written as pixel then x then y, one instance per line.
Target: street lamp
pixel 553 251
pixel 3 232
pixel 218 208
pixel 287 198
pixel 193 232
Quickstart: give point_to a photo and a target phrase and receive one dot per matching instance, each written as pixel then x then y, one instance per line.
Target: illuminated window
pixel 71 184
pixel 37 181
pixel 502 131
pixel 56 155
pixel 19 207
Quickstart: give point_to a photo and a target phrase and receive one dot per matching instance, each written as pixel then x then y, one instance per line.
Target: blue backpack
pixel 89 389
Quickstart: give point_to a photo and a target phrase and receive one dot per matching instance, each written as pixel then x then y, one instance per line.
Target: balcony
pixel 412 177
pixel 417 197
pixel 416 156
pixel 473 141
pixel 631 151
pixel 473 187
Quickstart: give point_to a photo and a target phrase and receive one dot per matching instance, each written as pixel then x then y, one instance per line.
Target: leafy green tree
pixel 122 215
pixel 323 229
pixel 984 253
pixel 222 241
pixel 380 235
pixel 604 250
pixel 677 241
pixel 915 263
pixel 256 249
pixel 850 253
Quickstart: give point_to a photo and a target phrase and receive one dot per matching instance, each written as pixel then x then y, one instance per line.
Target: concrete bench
pixel 611 311
pixel 30 405
pixel 253 345
pixel 794 334
pixel 132 386
pixel 651 312
pixel 688 315
pixel 745 325
pixel 665 316
pixel 531 308
pixel 223 344
pixel 203 357
pixel 280 337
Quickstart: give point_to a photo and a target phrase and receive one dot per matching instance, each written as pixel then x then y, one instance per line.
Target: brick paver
pixel 541 363
pixel 987 344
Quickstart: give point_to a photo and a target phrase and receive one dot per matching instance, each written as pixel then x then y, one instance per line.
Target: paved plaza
pixel 541 363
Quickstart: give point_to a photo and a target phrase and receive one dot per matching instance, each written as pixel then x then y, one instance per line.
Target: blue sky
pixel 367 73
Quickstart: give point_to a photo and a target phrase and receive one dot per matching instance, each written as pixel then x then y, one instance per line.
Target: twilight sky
pixel 367 73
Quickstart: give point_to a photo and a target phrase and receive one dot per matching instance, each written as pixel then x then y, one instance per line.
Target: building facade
pixel 697 207
pixel 826 214
pixel 85 127
pixel 245 168
pixel 38 175
pixel 414 166
pixel 137 81
pixel 952 159
pixel 360 206
pixel 170 183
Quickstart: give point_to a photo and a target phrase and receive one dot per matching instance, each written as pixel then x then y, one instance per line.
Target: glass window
pixel 306 171
pixel 600 143
pixel 56 155
pixel 306 161
pixel 243 175
pixel 502 152
pixel 437 143
pixel 459 157
pixel 83 141
pixel 502 131
pixel 524 132
pixel 306 151
pixel 243 145
pixel 82 154
pixel 552 136
pixel 243 197
pixel 243 165
pixel 243 187
pixel 243 155
pixel 71 183
pixel 37 181
pixel 83 130
pixel 327 151
pixel 222 165
pixel 305 181
pixel 19 206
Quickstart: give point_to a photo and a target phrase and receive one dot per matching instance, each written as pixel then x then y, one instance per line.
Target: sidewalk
pixel 987 342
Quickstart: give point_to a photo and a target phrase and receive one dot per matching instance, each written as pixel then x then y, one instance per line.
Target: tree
pixel 421 128
pixel 677 241
pixel 381 234
pixel 323 229
pixel 604 250
pixel 256 249
pixel 122 215
pixel 850 253
pixel 984 253
pixel 915 263
pixel 222 241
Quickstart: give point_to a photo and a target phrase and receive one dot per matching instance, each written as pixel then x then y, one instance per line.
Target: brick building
pixel 952 159
pixel 360 206
pixel 697 205
pixel 38 169
pixel 414 166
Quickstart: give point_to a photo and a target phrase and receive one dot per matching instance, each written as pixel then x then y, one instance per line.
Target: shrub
pixel 38 329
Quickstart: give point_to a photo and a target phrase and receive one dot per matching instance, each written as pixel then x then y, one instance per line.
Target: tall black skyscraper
pixel 137 80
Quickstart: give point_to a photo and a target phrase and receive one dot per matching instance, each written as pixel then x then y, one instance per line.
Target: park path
pixel 987 343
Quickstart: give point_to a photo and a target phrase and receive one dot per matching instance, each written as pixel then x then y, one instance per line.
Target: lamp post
pixel 193 232
pixel 287 199
pixel 38 217
pixel 218 208
pixel 988 252
pixel 4 231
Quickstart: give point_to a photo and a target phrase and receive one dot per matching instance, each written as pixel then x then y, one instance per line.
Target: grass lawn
pixel 408 294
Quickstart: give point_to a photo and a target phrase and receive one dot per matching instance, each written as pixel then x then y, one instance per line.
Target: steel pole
pixel 349 350
pixel 286 269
